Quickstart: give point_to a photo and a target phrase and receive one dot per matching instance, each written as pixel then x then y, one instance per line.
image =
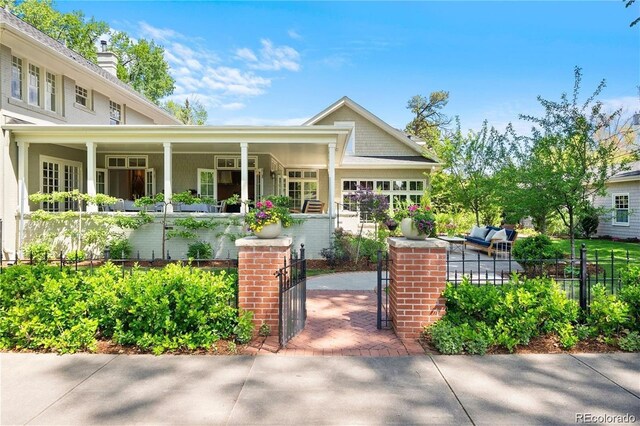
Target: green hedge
pixel 481 317
pixel 177 307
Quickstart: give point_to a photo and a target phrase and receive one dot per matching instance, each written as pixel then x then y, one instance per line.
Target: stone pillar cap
pixel 401 242
pixel 253 241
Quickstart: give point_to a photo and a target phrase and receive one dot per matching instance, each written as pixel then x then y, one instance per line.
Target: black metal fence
pixel 292 301
pixel 576 277
pixel 383 318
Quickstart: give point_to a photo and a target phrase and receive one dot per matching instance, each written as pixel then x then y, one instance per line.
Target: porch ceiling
pixel 293 146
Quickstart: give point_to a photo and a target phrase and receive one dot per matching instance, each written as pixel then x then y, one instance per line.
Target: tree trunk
pixel 572 237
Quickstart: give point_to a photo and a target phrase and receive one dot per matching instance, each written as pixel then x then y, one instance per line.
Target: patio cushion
pixel 478 232
pixel 511 234
pixel 501 235
pixel 479 241
pixel 490 235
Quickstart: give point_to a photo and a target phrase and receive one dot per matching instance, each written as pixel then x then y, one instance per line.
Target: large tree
pixel 141 63
pixel 429 121
pixel 192 112
pixel 573 150
pixel 470 163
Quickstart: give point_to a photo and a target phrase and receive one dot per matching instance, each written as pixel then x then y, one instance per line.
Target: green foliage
pixel 199 250
pixel 191 113
pixel 422 218
pixel 120 248
pixel 630 342
pixel 589 220
pixel 265 330
pixel 538 247
pixel 630 294
pixel 428 119
pixel 177 307
pixel 507 315
pixel 454 223
pixel 608 315
pixel 76 256
pixel 267 213
pixel 39 251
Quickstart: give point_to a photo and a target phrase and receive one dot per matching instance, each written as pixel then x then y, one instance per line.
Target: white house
pixel 70 124
pixel 622 205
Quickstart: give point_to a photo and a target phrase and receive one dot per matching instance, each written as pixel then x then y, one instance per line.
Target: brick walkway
pixel 342 322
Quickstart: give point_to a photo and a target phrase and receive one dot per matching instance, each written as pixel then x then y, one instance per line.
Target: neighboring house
pixel 58 114
pixel 622 204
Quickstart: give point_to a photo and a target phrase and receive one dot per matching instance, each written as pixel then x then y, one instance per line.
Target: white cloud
pixel 628 104
pixel 233 106
pixel 270 57
pixel 246 54
pixel 158 34
pixel 294 34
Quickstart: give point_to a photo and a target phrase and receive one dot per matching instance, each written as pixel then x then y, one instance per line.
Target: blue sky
pixel 282 62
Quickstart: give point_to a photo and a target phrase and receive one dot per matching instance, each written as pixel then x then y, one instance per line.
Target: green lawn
pixel 604 248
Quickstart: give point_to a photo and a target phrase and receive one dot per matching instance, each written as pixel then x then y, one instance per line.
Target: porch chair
pixel 313 207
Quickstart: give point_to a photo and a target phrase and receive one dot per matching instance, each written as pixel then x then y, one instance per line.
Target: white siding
pixel 606 226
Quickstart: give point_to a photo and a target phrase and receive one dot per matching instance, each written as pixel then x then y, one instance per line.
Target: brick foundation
pixel 258 260
pixel 418 276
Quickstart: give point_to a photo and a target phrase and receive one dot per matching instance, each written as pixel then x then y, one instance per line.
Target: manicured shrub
pixel 630 294
pixel 538 247
pixel 75 255
pixel 509 315
pixel 199 250
pixel 630 342
pixel 120 248
pixel 37 251
pixel 608 315
pixel 177 307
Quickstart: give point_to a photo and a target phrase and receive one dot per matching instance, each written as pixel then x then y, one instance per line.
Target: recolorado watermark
pixel 586 418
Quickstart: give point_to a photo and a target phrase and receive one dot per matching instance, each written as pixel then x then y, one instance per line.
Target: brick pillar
pixel 418 276
pixel 258 260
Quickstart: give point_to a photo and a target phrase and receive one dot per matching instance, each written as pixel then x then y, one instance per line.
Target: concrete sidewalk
pixel 507 389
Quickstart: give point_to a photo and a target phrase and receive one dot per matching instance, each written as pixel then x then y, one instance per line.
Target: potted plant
pixel 267 219
pixel 416 222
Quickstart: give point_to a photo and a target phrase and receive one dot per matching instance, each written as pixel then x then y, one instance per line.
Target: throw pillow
pixel 501 234
pixel 490 235
pixel 477 232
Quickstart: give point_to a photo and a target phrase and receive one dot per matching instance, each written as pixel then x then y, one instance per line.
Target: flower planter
pixel 409 231
pixel 269 231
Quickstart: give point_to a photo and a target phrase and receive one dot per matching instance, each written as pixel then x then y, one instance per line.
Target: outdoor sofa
pixel 483 239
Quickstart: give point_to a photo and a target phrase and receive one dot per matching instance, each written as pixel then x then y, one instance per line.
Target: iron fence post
pixel 379 312
pixel 583 277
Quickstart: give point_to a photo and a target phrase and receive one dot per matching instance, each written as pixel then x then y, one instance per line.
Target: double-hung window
pixel 621 209
pixel 16 77
pixel 34 85
pixel 398 192
pixel 82 97
pixel 50 93
pixel 115 113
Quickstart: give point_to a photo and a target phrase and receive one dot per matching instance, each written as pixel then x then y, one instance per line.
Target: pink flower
pixel 259 205
pixel 268 204
pixel 412 208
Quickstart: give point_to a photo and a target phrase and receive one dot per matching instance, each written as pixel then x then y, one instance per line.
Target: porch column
pixel 168 170
pixel 23 177
pixel 332 184
pixel 91 175
pixel 244 176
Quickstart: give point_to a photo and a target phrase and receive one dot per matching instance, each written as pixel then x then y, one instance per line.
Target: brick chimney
pixel 107 60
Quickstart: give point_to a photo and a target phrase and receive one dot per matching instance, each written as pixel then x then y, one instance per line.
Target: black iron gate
pixel 383 317
pixel 293 296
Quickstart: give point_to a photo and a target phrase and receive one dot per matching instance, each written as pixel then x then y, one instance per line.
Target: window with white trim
pixel 50 93
pixel 58 175
pixel 126 161
pixel 82 97
pixel 33 81
pixel 115 113
pixel 397 191
pixel 621 209
pixel 16 77
pixel 303 185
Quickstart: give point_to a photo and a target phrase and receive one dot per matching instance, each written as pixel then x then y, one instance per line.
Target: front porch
pixel 128 162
